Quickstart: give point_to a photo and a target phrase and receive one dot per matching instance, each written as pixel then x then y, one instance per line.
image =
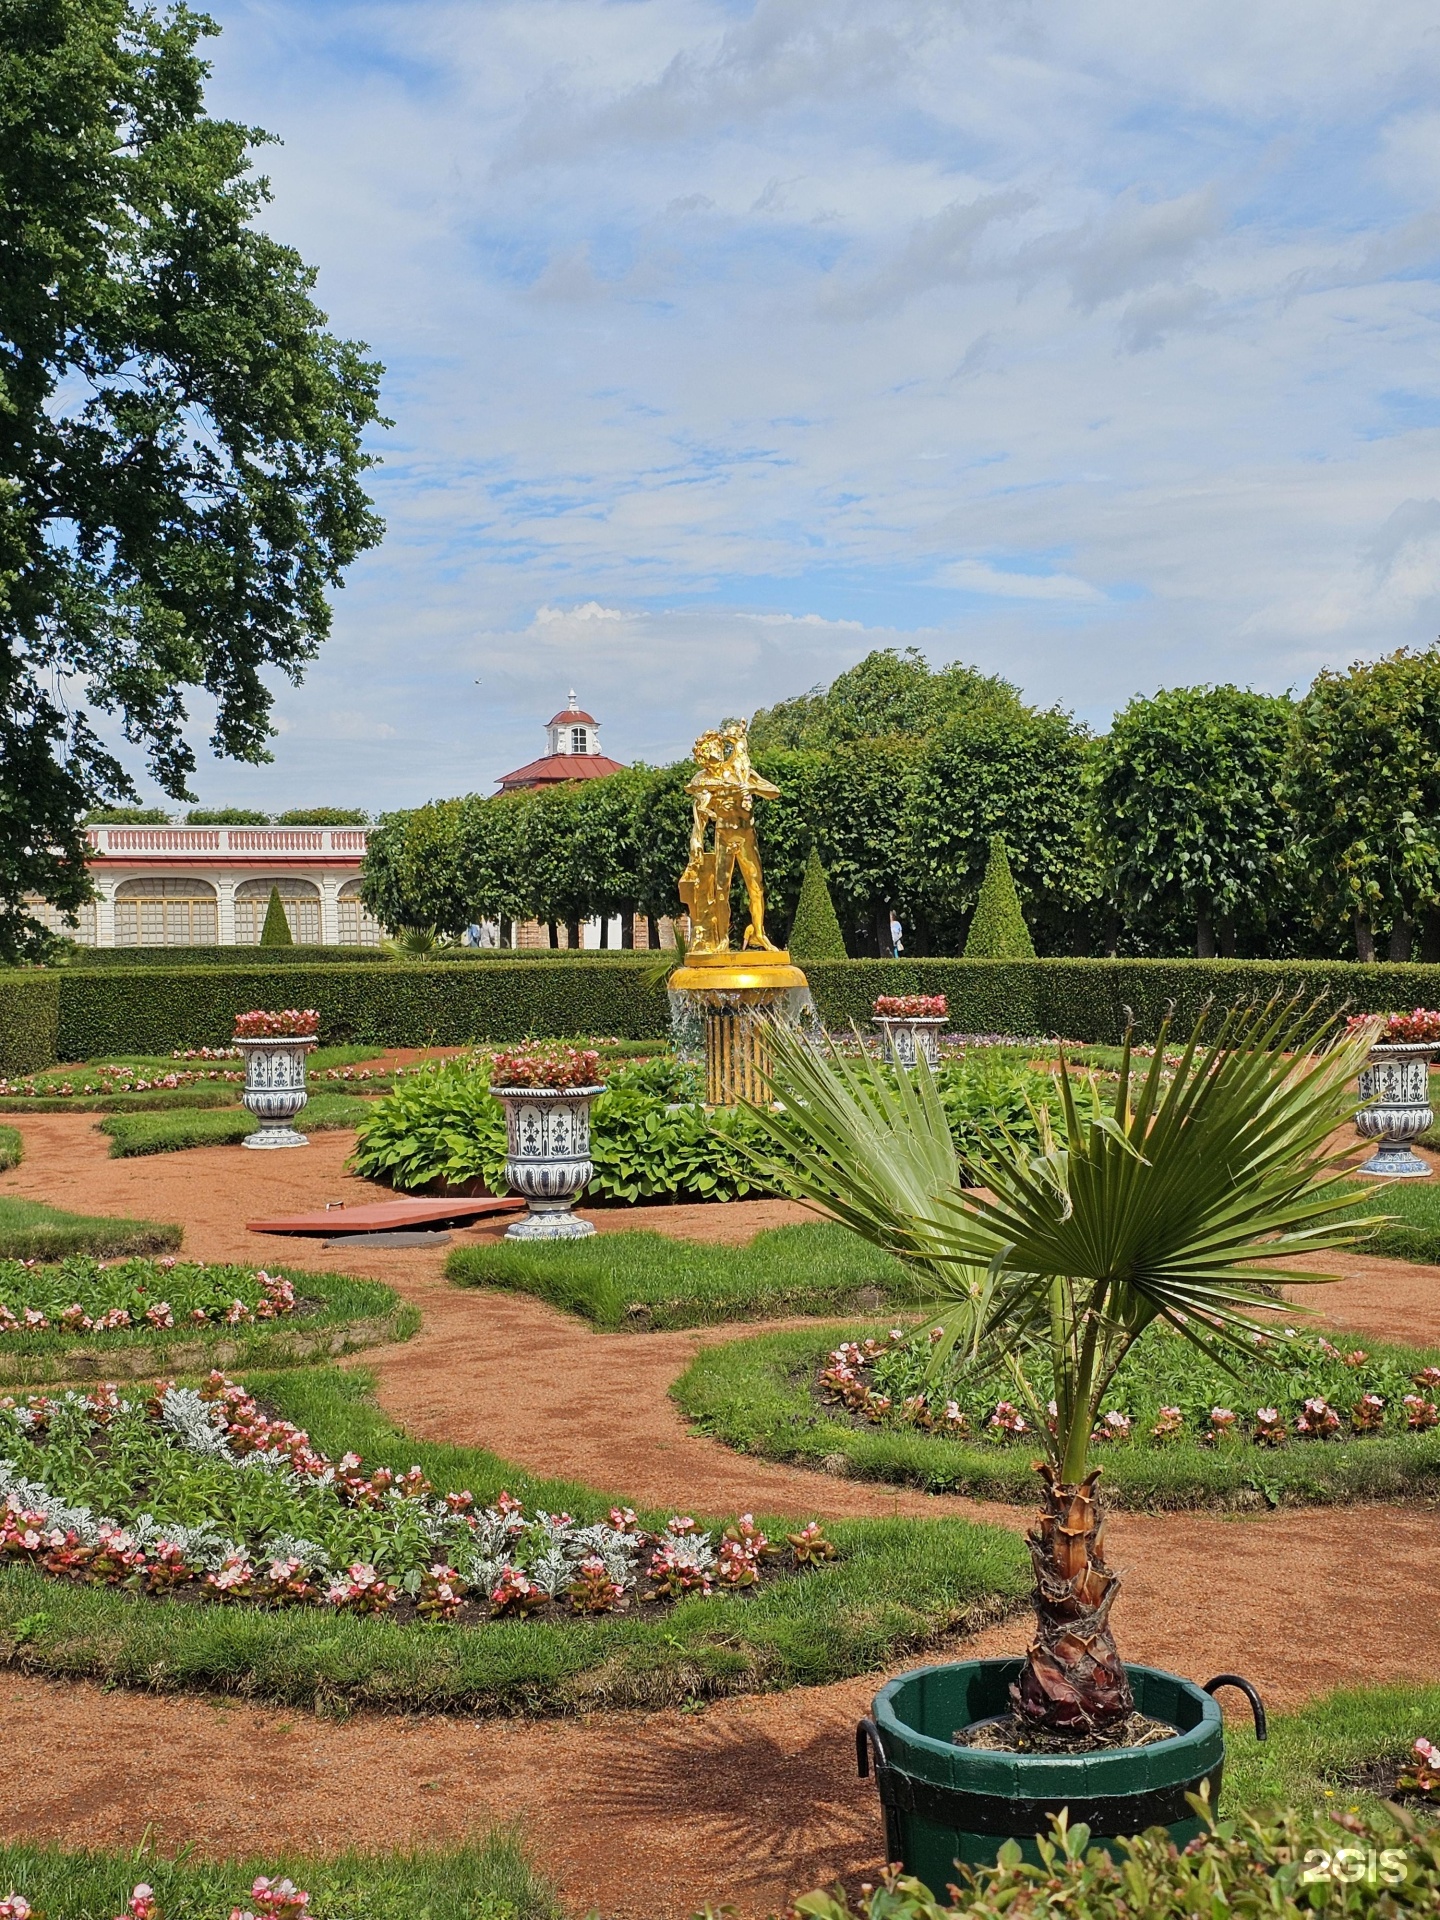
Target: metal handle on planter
pixel 1257 1705
pixel 867 1735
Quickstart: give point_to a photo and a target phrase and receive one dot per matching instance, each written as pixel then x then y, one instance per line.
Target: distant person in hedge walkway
pixel 897 937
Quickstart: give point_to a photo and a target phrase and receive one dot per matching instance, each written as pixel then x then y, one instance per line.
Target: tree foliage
pixel 1020 775
pixel 997 929
pixel 276 930
pixel 1187 814
pixel 815 934
pixel 180 437
pixel 887 694
pixel 1363 790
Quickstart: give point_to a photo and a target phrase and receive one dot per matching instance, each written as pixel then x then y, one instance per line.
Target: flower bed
pixel 269 1899
pixel 204 1492
pixel 911 1006
pixel 1311 1423
pixel 71 1318
pixel 1300 1388
pixel 82 1295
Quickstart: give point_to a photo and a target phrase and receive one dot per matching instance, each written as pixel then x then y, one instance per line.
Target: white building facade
pixel 210 886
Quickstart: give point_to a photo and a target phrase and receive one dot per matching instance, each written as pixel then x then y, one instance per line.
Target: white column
pixel 330 885
pixel 224 912
pixel 105 912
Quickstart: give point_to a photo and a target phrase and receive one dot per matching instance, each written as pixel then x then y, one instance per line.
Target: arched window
pixel 358 926
pixel 299 898
pixel 54 919
pixel 577 740
pixel 165 913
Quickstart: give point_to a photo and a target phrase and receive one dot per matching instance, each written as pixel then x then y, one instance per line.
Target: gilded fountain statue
pixel 736 987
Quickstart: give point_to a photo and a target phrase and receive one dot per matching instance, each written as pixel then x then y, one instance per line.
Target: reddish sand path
pixel 649 1815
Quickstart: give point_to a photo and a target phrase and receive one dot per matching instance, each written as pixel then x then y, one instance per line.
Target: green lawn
pixel 29 1230
pixel 171 1132
pixel 339 1314
pixel 755 1395
pixel 12 1148
pixel 1314 1757
pixel 493 1878
pixel 641 1280
pixel 899 1587
pixel 1414 1232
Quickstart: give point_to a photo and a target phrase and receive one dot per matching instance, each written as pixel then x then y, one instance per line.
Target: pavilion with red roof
pixel 574 753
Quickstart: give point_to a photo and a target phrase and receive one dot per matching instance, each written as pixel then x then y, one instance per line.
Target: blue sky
pixel 1094 345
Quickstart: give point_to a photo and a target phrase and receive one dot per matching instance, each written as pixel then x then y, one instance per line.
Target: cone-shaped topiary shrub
pixel 998 930
pixel 276 930
pixel 815 934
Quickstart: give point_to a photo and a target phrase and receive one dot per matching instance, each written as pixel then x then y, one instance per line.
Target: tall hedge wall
pixel 1086 999
pixel 152 1010
pixel 90 957
pixel 29 1007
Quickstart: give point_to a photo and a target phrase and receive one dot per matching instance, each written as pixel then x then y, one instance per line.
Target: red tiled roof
pixel 566 714
pixel 556 767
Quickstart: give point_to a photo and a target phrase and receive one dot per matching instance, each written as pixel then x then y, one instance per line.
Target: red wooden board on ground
pixel 384 1217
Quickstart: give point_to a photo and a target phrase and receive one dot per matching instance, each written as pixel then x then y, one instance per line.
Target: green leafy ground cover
pixel 1284 1868
pixel 645 1280
pixel 141 1133
pixel 651 1136
pixel 29 1230
pixel 490 1878
pixel 12 1148
pixel 897 1587
pixel 332 1314
pixel 762 1396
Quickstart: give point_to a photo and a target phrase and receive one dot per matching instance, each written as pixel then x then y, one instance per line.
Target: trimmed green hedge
pixel 402 1005
pixel 1085 999
pixel 92 957
pixel 29 1004
pixel 130 1009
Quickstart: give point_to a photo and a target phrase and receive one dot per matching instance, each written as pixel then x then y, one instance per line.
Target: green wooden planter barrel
pixel 945 1803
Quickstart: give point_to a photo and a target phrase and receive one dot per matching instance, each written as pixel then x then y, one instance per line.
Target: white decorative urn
pixel 1396 1088
pixel 547 1132
pixel 911 1025
pixel 909 1040
pixel 275 1088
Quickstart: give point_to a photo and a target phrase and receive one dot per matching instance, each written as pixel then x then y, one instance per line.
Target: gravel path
pixel 649 1816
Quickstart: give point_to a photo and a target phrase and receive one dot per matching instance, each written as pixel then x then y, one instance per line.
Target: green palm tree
pixel 1175 1205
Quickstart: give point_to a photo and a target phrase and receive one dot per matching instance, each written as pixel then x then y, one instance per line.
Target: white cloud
pixel 728 338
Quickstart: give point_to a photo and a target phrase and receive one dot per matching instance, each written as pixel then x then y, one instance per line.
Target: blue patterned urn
pixel 275 1088
pixel 1396 1088
pixel 548 1157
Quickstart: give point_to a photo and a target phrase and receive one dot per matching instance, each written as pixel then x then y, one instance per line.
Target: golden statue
pixel 724 789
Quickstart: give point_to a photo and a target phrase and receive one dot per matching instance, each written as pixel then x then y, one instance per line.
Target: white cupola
pixel 573 730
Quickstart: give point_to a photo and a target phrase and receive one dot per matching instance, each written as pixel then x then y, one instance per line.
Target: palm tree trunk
pixel 1073 1680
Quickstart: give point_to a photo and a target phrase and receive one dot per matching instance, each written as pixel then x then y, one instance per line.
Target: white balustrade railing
pixel 240 843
